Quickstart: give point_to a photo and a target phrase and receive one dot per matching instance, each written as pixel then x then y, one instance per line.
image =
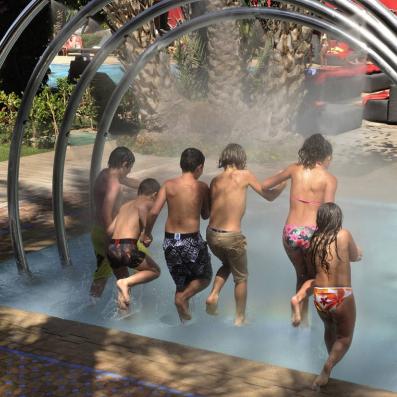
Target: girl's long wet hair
pixel 315 148
pixel 329 223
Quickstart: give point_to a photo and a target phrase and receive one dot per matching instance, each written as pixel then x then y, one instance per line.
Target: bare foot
pixel 123 298
pixel 240 321
pixel 212 305
pixel 182 306
pixel 295 311
pixel 321 380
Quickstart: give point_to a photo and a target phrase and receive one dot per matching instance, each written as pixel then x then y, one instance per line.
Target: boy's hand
pixel 146 240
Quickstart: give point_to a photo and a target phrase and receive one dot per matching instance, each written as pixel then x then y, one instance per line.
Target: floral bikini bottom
pixel 327 299
pixel 298 237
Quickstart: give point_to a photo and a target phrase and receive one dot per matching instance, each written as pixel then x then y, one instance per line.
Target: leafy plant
pixel 191 66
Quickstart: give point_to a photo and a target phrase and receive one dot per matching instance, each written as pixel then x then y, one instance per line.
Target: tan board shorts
pixel 230 249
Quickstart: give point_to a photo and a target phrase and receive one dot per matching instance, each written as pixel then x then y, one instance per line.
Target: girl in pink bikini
pixel 332 249
pixel 311 185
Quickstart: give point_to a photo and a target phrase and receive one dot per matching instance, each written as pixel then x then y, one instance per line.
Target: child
pixel 185 251
pixel 124 250
pixel 228 202
pixel 107 191
pixel 311 185
pixel 332 250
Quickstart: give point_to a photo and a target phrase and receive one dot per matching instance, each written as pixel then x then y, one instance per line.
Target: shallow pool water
pixel 269 337
pixel 58 70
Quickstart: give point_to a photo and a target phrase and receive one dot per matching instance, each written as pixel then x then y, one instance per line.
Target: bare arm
pixel 152 216
pixel 273 186
pixel 355 252
pixel 330 190
pixel 109 202
pixel 110 229
pixel 133 183
pixel 206 205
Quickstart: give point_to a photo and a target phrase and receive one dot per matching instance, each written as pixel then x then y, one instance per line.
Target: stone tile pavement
pixel 45 356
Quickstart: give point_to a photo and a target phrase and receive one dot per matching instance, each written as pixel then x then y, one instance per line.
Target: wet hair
pixel 315 148
pixel 148 186
pixel 120 156
pixel 191 158
pixel 329 223
pixel 233 154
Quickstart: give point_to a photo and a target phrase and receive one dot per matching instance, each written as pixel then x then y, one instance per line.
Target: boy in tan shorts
pixel 224 237
pixel 185 251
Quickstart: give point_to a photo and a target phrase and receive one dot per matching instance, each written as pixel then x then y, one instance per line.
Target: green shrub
pixel 46 115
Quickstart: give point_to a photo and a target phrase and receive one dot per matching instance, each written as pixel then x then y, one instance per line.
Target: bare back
pixel 228 199
pixel 339 257
pixel 131 218
pixel 106 194
pixel 185 197
pixel 310 187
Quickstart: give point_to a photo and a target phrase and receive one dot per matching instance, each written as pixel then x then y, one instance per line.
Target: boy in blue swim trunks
pixel 185 251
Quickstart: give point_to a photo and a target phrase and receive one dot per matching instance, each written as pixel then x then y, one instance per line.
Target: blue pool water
pixel 114 71
pixel 371 360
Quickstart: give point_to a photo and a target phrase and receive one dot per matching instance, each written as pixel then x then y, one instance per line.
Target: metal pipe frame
pixel 60 149
pixel 381 11
pixel 23 115
pixel 107 117
pixel 385 30
pixel 46 59
pixel 18 26
pixel 97 157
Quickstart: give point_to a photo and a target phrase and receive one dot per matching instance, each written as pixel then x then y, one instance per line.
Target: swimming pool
pixel 269 337
pixel 58 70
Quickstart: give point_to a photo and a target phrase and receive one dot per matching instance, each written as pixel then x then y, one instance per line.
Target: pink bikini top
pixel 307 201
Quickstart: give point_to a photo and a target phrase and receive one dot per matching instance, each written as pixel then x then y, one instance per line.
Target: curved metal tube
pixel 60 149
pixel 252 13
pixel 382 12
pixel 349 23
pixel 18 26
pixel 386 33
pixel 23 114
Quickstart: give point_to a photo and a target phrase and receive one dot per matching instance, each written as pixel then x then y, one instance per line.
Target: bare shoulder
pixel 202 185
pixel 344 236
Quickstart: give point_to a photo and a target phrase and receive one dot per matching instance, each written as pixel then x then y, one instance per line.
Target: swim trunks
pixel 100 241
pixel 298 237
pixel 126 252
pixel 230 249
pixel 187 258
pixel 327 299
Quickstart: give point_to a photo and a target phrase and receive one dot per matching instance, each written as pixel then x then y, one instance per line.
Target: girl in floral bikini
pixel 332 249
pixel 311 185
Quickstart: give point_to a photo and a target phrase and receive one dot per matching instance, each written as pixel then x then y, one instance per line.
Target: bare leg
pixel 182 297
pixel 240 295
pixel 298 260
pixel 344 319
pixel 297 300
pixel 220 280
pixel 97 287
pixel 147 271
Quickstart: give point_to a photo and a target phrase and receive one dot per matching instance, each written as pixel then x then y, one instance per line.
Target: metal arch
pixel 129 76
pixel 88 74
pixel 18 26
pixel 23 114
pixel 60 149
pixel 386 32
pixel 348 22
pixel 381 11
pixel 35 80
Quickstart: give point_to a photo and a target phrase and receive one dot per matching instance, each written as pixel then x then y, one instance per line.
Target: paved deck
pixel 47 356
